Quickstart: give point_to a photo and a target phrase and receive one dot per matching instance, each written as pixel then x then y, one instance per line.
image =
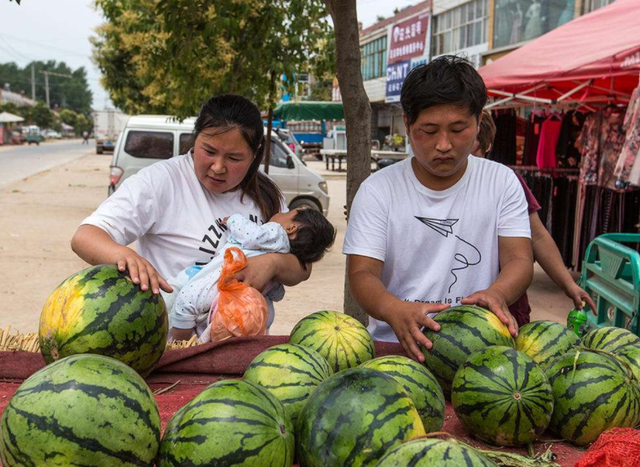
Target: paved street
pixel 19 162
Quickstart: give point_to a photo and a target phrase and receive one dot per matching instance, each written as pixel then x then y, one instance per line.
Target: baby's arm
pixel 269 237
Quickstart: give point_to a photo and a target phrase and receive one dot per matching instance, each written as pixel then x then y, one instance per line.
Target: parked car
pixel 52 134
pixel 147 139
pixel 287 138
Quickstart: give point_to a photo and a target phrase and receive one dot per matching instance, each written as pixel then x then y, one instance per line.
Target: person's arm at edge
pixel 279 267
pixel 405 318
pixel 546 253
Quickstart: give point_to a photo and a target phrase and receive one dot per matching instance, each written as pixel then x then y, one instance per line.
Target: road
pixel 20 162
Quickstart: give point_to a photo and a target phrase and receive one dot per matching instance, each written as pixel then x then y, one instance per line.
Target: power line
pixel 45 46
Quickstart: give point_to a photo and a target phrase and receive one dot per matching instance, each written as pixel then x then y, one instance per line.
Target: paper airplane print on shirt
pixel 445 228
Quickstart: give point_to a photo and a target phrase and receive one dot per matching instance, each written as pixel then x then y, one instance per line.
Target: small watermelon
pixel 85 410
pixel 544 341
pixel 593 392
pixel 420 384
pixel 100 310
pixel 339 338
pixel 463 330
pixel 502 396
pixel 609 338
pixel 630 354
pixel 434 453
pixel 290 372
pixel 231 423
pixel 353 418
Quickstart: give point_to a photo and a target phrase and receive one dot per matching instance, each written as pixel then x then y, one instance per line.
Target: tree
pixel 69 117
pixel 357 112
pixel 41 115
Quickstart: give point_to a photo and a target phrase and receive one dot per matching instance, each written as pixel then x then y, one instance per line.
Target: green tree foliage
pixel 41 115
pixel 66 93
pixel 169 56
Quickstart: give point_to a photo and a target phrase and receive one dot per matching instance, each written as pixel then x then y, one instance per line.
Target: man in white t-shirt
pixel 442 228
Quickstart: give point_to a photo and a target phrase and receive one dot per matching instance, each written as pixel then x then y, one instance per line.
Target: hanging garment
pixel 567 155
pixel 532 139
pixel 504 143
pixel 546 157
pixel 589 143
pixel 612 138
pixel 631 148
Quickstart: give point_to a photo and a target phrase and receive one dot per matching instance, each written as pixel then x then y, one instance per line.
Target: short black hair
pixel 313 238
pixel 446 80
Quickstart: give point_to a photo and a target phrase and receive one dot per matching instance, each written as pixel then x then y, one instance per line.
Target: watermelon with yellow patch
pixel 100 310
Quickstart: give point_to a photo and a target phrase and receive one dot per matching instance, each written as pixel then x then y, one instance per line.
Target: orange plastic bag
pixel 241 310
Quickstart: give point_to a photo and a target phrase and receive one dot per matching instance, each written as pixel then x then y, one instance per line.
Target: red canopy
pixel 595 56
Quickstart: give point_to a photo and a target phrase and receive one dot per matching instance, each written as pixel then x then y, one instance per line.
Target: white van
pixel 146 139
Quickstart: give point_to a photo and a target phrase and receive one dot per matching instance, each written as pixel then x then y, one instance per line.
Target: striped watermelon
pixel 593 392
pixel 463 330
pixel 630 354
pixel 420 384
pixel 502 396
pixel 87 410
pixel 231 423
pixel 290 372
pixel 544 341
pixel 339 338
pixel 609 338
pixel 434 453
pixel 353 418
pixel 100 310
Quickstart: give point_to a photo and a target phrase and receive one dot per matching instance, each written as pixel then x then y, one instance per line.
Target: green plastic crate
pixel 611 275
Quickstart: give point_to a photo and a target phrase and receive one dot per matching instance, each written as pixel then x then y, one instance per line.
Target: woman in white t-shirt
pixel 174 209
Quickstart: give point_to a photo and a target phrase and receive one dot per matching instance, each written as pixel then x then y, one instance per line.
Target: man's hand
pixel 579 295
pixel 406 321
pixel 494 301
pixel 141 271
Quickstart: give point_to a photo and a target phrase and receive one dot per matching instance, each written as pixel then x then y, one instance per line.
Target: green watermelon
pixel 609 338
pixel 593 392
pixel 630 354
pixel 100 310
pixel 353 418
pixel 231 423
pixel 502 396
pixel 544 341
pixel 463 330
pixel 339 338
pixel 420 384
pixel 290 372
pixel 434 453
pixel 87 410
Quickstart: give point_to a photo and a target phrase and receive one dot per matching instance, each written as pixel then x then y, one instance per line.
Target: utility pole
pixel 46 82
pixel 33 81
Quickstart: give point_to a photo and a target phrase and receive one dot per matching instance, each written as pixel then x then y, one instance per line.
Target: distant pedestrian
pixel 85 137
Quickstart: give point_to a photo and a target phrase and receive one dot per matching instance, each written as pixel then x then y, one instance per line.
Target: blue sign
pixel 396 74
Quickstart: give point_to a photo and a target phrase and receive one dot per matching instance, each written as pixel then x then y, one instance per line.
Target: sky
pixel 60 30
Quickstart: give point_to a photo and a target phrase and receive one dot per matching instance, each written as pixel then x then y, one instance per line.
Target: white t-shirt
pixel 175 220
pixel 437 246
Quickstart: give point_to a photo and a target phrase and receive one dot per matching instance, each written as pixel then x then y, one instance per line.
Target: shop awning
pixel 592 58
pixel 309 110
pixel 6 117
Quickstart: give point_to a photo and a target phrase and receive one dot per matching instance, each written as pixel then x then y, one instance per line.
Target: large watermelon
pixel 502 396
pixel 100 310
pixel 609 338
pixel 231 423
pixel 353 418
pixel 434 453
pixel 593 392
pixel 630 354
pixel 339 338
pixel 87 410
pixel 290 372
pixel 544 341
pixel 463 330
pixel 420 384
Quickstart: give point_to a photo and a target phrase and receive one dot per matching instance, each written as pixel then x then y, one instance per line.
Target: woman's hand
pixel 259 272
pixel 407 319
pixel 579 295
pixel 141 271
pixel 493 300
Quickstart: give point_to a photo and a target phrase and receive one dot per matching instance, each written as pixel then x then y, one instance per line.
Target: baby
pixel 305 233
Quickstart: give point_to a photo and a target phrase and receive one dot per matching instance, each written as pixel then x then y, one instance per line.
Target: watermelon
pixel 231 423
pixel 100 310
pixel 544 341
pixel 609 338
pixel 339 338
pixel 290 372
pixel 593 392
pixel 87 410
pixel 502 396
pixel 353 418
pixel 463 330
pixel 420 384
pixel 434 453
pixel 630 354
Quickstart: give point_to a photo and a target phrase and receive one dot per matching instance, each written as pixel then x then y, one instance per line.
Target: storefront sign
pixel 396 74
pixel 408 39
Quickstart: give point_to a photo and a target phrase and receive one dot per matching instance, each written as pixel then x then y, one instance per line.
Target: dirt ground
pixel 39 215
